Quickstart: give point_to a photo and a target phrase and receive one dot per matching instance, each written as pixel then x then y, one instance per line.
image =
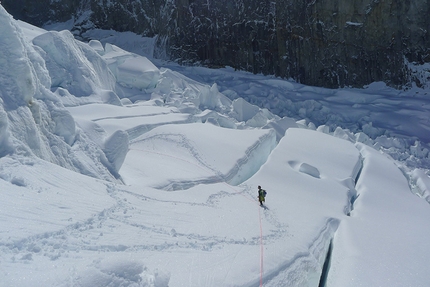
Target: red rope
pixel 261 248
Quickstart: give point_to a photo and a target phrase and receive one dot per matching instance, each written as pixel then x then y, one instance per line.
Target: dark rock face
pixel 43 11
pixel 327 43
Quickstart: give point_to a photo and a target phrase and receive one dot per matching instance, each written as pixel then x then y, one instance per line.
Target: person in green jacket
pixel 261 195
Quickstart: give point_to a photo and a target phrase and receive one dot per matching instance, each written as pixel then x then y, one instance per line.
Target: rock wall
pixel 41 12
pixel 328 43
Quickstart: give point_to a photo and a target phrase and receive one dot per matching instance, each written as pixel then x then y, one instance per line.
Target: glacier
pixel 117 169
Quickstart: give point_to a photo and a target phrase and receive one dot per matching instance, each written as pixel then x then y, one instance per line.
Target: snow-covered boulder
pixel 137 72
pixel 73 65
pixel 116 148
pixel 5 143
pixel 97 46
pixel 64 125
pixel 18 81
pixel 211 98
pixel 130 70
pixel 243 110
pixel 421 182
pixel 280 126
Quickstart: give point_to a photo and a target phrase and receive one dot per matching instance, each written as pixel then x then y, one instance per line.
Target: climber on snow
pixel 261 195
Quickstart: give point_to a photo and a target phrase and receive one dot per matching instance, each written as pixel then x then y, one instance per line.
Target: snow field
pixel 387 220
pixel 114 172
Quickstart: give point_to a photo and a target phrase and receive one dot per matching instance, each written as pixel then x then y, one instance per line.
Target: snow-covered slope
pixel 386 223
pixel 118 171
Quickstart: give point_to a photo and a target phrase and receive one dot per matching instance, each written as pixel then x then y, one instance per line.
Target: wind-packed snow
pixel 117 169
